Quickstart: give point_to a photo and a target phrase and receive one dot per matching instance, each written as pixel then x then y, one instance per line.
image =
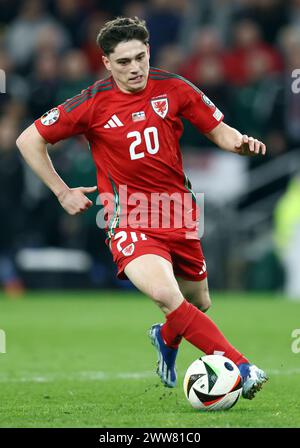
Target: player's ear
pixel 106 62
pixel 148 50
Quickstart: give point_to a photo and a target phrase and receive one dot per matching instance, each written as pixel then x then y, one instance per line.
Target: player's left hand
pixel 250 146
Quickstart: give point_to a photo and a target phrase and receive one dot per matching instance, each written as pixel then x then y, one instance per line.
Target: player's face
pixel 129 65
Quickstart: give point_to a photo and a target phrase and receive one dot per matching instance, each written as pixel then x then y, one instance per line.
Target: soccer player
pixel 132 121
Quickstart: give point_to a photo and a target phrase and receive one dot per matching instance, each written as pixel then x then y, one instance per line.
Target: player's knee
pixel 205 307
pixel 203 303
pixel 165 297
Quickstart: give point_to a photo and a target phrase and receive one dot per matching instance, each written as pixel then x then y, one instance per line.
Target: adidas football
pixel 212 383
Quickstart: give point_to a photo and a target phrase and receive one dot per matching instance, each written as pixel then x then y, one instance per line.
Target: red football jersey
pixel 134 140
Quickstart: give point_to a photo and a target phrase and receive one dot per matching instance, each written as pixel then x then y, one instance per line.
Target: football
pixel 212 383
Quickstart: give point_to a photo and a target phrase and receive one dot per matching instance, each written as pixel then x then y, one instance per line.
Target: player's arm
pixel 33 148
pixel 230 139
pixel 202 113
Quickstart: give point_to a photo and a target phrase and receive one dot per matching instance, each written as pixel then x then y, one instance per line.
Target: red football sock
pixel 192 324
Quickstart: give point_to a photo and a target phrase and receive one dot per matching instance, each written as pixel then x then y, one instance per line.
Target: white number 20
pixel 151 140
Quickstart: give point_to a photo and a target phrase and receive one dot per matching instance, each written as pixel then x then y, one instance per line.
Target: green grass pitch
pixel 83 359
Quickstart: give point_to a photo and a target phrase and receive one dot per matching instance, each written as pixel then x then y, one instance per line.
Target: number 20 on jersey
pixel 149 136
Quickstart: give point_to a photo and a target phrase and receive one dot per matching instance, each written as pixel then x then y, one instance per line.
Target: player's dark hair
pixel 121 29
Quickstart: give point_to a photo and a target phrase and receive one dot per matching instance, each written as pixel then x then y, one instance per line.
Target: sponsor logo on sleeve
pixel 50 117
pixel 217 114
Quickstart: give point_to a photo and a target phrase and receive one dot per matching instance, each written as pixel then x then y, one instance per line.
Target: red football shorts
pixel 185 254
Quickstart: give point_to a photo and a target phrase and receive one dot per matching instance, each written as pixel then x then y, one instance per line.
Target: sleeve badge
pixel 50 117
pixel 207 101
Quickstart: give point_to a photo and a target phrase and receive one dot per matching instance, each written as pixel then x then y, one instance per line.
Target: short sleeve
pixel 196 107
pixel 66 120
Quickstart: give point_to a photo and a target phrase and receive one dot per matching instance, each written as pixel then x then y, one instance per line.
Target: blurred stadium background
pixel 241 53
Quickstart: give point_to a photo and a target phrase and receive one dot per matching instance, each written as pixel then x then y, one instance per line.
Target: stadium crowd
pixel 241 53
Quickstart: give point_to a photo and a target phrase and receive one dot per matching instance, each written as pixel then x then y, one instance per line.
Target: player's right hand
pixel 74 201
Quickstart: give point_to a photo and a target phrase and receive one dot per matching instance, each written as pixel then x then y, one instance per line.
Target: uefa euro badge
pixel 50 117
pixel 207 101
pixel 160 106
pixel 128 250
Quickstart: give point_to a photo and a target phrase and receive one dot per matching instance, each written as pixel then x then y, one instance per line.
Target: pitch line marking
pixel 105 376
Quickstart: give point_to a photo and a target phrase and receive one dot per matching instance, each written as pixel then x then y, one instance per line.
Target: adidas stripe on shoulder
pixel 87 94
pixel 159 75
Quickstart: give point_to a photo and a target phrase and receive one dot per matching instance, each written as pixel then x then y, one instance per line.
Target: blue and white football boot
pixel 166 357
pixel 253 379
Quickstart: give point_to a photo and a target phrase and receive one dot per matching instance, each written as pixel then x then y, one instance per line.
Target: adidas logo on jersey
pixel 114 122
